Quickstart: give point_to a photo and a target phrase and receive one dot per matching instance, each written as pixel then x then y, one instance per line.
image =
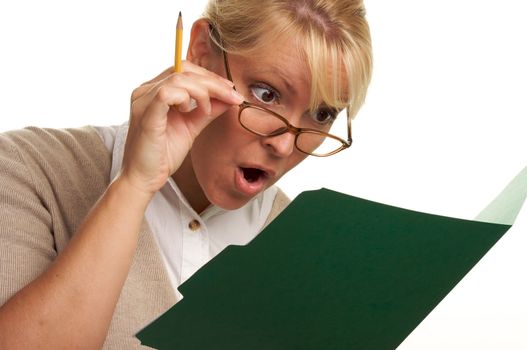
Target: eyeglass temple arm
pixel 227 69
pixel 226 62
pixel 212 31
pixel 350 140
pixel 228 72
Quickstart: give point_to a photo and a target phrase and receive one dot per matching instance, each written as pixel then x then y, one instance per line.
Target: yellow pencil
pixel 179 44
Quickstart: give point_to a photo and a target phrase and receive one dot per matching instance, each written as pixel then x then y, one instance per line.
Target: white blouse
pixel 188 240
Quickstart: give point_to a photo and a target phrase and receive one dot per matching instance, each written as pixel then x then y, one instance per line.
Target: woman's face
pixel 232 165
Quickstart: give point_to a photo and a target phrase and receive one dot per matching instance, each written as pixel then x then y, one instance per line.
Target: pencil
pixel 179 44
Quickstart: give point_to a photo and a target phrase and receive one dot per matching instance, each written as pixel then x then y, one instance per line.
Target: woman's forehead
pixel 285 60
pixel 283 55
pixel 289 75
pixel 278 61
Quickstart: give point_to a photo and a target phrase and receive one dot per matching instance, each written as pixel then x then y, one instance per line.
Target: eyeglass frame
pixel 289 127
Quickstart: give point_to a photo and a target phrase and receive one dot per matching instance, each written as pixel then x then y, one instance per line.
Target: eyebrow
pixel 276 71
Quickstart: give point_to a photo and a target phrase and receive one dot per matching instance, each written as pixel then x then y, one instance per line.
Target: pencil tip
pixel 179 13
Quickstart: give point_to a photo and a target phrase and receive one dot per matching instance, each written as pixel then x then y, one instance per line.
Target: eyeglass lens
pixel 264 123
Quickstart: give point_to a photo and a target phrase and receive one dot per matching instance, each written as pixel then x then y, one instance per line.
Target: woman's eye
pixel 324 116
pixel 264 94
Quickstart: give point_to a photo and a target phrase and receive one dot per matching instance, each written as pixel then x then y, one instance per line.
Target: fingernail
pixel 230 83
pixel 237 95
pixel 193 104
pixel 188 107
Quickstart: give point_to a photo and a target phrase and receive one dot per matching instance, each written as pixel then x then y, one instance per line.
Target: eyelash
pixel 277 101
pixel 265 87
pixel 332 113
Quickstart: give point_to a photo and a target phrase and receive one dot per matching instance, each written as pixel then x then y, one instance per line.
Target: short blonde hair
pixel 334 35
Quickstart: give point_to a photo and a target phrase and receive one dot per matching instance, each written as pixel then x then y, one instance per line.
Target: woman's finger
pixel 191 67
pixel 156 111
pixel 202 89
pixel 199 88
pixel 147 85
pixel 187 67
pixel 188 107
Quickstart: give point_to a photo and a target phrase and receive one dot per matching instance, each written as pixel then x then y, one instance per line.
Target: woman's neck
pixel 188 184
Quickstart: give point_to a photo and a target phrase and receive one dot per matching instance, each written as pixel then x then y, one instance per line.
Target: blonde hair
pixel 334 35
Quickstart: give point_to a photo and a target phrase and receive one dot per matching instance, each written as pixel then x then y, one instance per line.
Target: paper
pixel 507 205
pixel 331 272
pixel 487 310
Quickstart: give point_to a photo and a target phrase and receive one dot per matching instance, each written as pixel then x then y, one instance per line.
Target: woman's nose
pixel 281 145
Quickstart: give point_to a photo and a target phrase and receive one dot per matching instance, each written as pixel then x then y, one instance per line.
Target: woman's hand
pixel 167 114
pixel 79 291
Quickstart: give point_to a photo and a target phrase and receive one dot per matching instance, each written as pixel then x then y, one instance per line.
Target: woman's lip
pixel 246 187
pixel 267 172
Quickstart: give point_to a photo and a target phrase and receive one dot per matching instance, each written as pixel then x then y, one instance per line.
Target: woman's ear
pixel 200 50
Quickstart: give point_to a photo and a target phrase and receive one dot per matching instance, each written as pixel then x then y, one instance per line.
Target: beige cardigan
pixel 49 180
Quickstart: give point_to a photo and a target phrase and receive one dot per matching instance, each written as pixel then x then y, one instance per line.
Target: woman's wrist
pixel 128 191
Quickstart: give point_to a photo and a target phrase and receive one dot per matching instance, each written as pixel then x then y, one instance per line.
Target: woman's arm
pixel 70 305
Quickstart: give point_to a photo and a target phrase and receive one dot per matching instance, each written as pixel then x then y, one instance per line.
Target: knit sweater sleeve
pixel 49 180
pixel 281 201
pixel 26 238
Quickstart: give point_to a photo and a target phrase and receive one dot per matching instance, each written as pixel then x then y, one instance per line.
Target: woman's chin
pixel 228 203
pixel 228 200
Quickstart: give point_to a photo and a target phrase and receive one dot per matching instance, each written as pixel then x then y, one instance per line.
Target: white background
pixel 442 131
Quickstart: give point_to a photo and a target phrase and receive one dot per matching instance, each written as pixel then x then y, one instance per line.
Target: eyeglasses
pixel 264 122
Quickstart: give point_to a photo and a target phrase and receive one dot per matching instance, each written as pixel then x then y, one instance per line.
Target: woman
pixel 100 225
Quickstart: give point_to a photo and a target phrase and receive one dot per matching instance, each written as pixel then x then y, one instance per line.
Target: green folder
pixel 333 271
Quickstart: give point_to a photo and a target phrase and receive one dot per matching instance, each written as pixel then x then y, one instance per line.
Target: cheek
pixel 294 160
pixel 222 128
pixel 214 149
pixel 218 137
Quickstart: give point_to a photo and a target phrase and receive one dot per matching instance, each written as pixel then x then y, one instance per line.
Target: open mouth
pixel 251 181
pixel 252 175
